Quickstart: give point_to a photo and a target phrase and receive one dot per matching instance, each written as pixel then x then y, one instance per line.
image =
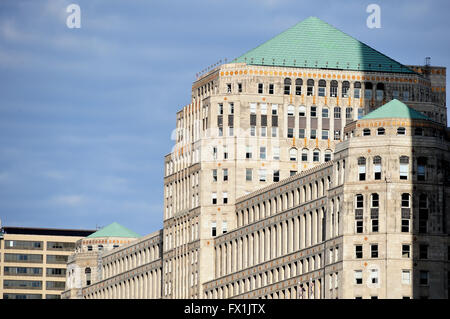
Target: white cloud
pixel 67 200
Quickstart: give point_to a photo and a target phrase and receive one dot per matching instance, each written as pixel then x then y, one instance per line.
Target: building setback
pixel 312 166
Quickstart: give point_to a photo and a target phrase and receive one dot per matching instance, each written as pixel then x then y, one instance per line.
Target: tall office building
pixel 261 191
pixel 33 261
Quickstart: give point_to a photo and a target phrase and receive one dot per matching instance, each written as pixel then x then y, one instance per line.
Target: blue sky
pixel 86 114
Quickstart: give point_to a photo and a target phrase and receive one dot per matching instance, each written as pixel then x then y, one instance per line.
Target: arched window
pixel 368 87
pixel 401 131
pixel 287 86
pixel 345 88
pixel 322 87
pixel 333 88
pixel 380 131
pixel 298 86
pixel 362 168
pixel 380 91
pixel 357 90
pixel 366 132
pixel 310 87
pixel 301 111
pixel 423 213
pixel 316 155
pixel 327 156
pixel 421 166
pixel 290 110
pixel 293 154
pixel 404 167
pixel 305 155
pixel 87 273
pixel 377 167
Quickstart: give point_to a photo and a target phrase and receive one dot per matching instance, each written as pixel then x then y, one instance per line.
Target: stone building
pixel 310 111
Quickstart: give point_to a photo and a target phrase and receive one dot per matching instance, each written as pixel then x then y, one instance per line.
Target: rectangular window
pixel 324 134
pixel 276 153
pixel 405 225
pixel 214 174
pixel 358 251
pixel 423 251
pixel 375 225
pixel 220 131
pixel 276 176
pixel 313 111
pixel 270 88
pixel 358 277
pixel 262 152
pixel 240 87
pixel 260 88
pixel 292 173
pixel 274 109
pixel 404 168
pixel 252 108
pixel 406 251
pixel 248 152
pixel 301 133
pixel 264 109
pixel 248 174
pixel 406 277
pixel 213 229
pixel 231 131
pixel 374 250
pixel 228 87
pixel 225 174
pixel 423 277
pixel 290 132
pixel 252 130
pixel 225 152
pixel 225 197
pixel 220 108
pixel 359 227
pixel 262 175
pixel 322 91
pixel 313 134
pixel 224 227
pixel 274 131
pixel 263 131
pixel 337 135
pixel 214 198
pixel 357 93
pixel 374 276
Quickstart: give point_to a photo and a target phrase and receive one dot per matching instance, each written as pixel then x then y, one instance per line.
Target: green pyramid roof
pixel 395 109
pixel 313 43
pixel 114 230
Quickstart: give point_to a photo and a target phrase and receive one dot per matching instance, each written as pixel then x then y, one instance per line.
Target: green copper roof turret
pixel 114 230
pixel 313 43
pixel 395 109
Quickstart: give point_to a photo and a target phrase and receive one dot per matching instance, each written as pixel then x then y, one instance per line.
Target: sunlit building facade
pixel 287 178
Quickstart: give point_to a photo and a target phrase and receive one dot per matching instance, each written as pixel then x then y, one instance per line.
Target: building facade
pixel 33 261
pixel 298 112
